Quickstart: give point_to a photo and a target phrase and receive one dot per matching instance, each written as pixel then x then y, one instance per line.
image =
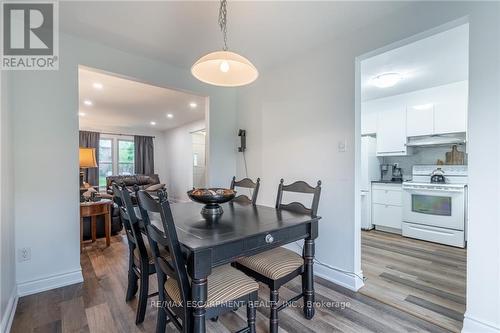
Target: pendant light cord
pixel 223 21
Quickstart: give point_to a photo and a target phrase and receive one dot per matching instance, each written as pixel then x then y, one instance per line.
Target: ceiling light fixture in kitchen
pixel 224 68
pixel 386 80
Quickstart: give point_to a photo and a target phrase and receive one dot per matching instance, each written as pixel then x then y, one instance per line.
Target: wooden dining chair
pixel 141 263
pixel 227 286
pixel 249 184
pixel 278 266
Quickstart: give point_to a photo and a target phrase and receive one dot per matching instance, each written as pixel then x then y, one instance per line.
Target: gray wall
pixel 7 247
pixel 46 152
pixel 297 113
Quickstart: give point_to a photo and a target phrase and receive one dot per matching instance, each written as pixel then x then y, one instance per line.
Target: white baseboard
pixel 475 325
pixel 50 282
pixel 346 280
pixel 10 311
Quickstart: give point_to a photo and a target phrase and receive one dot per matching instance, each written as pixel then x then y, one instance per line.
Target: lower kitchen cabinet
pixel 387 210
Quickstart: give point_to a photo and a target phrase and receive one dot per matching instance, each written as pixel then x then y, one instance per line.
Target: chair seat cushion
pixel 224 284
pixel 164 253
pixel 273 264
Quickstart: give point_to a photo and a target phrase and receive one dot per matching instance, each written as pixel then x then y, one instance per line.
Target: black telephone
pixel 243 139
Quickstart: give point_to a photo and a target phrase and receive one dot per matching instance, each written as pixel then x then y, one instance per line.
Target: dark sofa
pixel 143 181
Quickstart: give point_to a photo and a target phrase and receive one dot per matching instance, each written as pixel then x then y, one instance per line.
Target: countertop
pixel 386 182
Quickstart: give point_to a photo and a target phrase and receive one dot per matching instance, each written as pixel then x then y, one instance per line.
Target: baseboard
pixel 10 311
pixel 50 282
pixel 474 325
pixel 346 280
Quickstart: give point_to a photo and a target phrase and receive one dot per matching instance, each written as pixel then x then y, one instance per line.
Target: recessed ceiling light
pixel 386 80
pixel 423 106
pixel 153 123
pixel 82 114
pixel 169 115
pixel 97 85
pixel 193 105
pixel 88 102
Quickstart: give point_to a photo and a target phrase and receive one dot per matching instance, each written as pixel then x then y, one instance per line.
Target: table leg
pixel 199 298
pixel 93 229
pixel 81 234
pixel 107 227
pixel 308 278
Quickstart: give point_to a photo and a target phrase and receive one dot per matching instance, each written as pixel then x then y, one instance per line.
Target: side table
pixel 92 210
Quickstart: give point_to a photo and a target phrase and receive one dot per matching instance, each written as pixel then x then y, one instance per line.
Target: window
pixel 125 157
pixel 116 157
pixel 105 160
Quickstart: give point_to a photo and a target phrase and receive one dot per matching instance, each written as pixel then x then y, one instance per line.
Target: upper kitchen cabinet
pixel 391 126
pixel 450 111
pixel 368 118
pixel 438 110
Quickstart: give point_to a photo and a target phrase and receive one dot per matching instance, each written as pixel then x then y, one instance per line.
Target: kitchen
pixel 414 175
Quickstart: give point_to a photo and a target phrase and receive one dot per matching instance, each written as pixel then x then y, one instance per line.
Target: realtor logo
pixel 30 36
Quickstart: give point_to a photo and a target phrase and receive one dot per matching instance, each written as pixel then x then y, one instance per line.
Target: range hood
pixel 436 140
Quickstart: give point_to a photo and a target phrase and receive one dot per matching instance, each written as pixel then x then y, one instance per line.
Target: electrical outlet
pixel 24 254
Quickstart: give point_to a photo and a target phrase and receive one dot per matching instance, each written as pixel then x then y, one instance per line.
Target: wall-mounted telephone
pixel 243 140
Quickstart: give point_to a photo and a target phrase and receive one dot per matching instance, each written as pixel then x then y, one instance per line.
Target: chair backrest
pixel 299 187
pixel 246 183
pixel 175 265
pixel 131 222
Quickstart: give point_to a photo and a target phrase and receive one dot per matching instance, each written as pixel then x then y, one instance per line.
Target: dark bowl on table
pixel 211 197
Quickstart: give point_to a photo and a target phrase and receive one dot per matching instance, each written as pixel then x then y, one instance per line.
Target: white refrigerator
pixel 370 170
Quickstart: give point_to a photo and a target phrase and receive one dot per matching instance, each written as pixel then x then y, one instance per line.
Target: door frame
pixel 357 125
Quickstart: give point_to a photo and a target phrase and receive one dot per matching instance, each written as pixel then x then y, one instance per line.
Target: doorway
pixel 411 124
pixel 199 160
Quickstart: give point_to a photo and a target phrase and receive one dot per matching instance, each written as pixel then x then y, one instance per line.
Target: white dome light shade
pixel 225 69
pixel 386 80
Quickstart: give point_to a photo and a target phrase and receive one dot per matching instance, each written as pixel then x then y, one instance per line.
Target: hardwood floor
pixel 98 305
pixel 422 278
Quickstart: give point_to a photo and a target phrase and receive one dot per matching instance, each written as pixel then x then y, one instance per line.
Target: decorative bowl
pixel 212 198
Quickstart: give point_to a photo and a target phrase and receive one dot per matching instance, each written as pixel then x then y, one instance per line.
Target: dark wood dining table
pixel 242 230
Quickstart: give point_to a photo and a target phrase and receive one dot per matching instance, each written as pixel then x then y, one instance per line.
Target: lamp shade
pixel 87 158
pixel 224 68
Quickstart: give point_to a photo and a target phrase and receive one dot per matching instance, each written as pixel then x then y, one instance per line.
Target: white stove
pixel 436 211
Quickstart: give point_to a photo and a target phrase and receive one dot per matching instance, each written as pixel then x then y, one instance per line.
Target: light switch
pixel 342 146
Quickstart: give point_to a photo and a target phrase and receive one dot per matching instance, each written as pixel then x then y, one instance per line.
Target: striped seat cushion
pixel 273 264
pixel 224 284
pixel 164 253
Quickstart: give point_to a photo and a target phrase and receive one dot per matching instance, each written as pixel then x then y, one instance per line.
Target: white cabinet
pixel 368 118
pixel 437 110
pixel 391 127
pixel 450 111
pixel 387 210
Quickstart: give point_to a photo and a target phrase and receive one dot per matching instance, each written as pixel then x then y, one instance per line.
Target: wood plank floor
pixel 98 305
pixel 422 278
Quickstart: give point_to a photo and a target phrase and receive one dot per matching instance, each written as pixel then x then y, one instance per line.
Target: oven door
pixel 444 208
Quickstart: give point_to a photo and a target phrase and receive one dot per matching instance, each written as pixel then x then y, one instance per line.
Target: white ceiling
pixel 180 32
pixel 131 105
pixel 440 59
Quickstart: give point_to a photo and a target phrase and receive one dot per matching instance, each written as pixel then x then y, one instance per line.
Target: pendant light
pixel 224 68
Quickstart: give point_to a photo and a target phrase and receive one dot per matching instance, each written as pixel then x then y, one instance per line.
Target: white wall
pixel 45 105
pixel 179 161
pixel 7 248
pixel 296 114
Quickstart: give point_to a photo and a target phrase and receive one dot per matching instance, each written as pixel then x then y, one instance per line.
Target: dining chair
pixel 278 266
pixel 227 287
pixel 249 184
pixel 141 263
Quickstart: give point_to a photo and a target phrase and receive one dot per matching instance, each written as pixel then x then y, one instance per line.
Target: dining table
pixel 242 230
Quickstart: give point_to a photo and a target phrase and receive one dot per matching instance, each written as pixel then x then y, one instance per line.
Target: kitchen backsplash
pixel 421 155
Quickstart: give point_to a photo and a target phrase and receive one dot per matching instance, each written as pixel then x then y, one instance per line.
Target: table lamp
pixel 87 160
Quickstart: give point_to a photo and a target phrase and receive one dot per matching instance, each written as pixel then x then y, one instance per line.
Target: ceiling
pixel 180 32
pixel 440 59
pixel 131 105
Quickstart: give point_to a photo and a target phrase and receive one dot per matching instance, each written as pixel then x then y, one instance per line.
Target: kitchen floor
pixel 425 279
